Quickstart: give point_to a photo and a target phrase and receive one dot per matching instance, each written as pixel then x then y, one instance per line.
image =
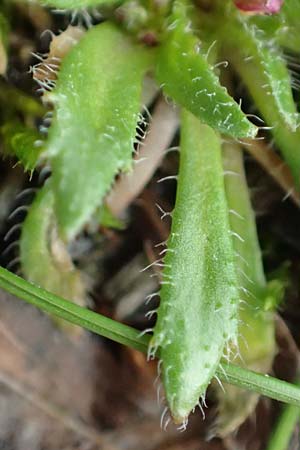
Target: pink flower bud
pixel 259 6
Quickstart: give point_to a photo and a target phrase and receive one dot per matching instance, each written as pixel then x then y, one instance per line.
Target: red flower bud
pixel 259 6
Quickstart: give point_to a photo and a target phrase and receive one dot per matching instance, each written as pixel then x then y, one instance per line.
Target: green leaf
pixel 283 27
pixel 262 66
pixel 186 75
pixel 97 101
pixel 22 142
pixel 256 343
pixel 76 4
pixel 197 316
pixel 118 332
pixel 44 258
pixel 289 32
pixel 264 72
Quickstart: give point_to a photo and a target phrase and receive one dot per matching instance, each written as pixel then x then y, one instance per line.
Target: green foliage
pixel 256 343
pixel 186 75
pixel 22 142
pixel 97 101
pixel 263 65
pixel 215 301
pixel 123 334
pixel 199 295
pixel 289 32
pixel 283 26
pixel 264 61
pixel 263 70
pixel 288 142
pixel 44 258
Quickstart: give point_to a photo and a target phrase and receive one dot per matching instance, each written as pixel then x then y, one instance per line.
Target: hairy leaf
pixel 186 75
pixel 263 65
pixel 97 102
pixel 256 343
pixel 197 316
pixel 44 259
pixel 268 82
pixel 283 27
pixel 22 142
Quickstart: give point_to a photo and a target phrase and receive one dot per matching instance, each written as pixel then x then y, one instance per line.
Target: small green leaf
pixel 44 258
pixel 186 75
pixel 22 142
pixel 197 316
pixel 97 102
pixel 267 78
pixel 256 343
pixel 261 64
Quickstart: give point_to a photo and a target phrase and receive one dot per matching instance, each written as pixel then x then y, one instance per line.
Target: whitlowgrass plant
pixel 214 299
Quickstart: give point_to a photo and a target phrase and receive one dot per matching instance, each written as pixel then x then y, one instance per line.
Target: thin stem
pixel 262 384
pixel 75 314
pixel 111 329
pixel 285 427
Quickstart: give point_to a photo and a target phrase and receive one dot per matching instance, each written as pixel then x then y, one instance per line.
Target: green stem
pixel 75 314
pixel 285 427
pixel 111 329
pixel 262 384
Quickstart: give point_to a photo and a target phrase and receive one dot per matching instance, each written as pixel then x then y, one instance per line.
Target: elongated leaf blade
pixel 266 68
pixel 186 76
pixel 44 259
pixel 97 103
pixel 275 106
pixel 199 295
pixel 256 343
